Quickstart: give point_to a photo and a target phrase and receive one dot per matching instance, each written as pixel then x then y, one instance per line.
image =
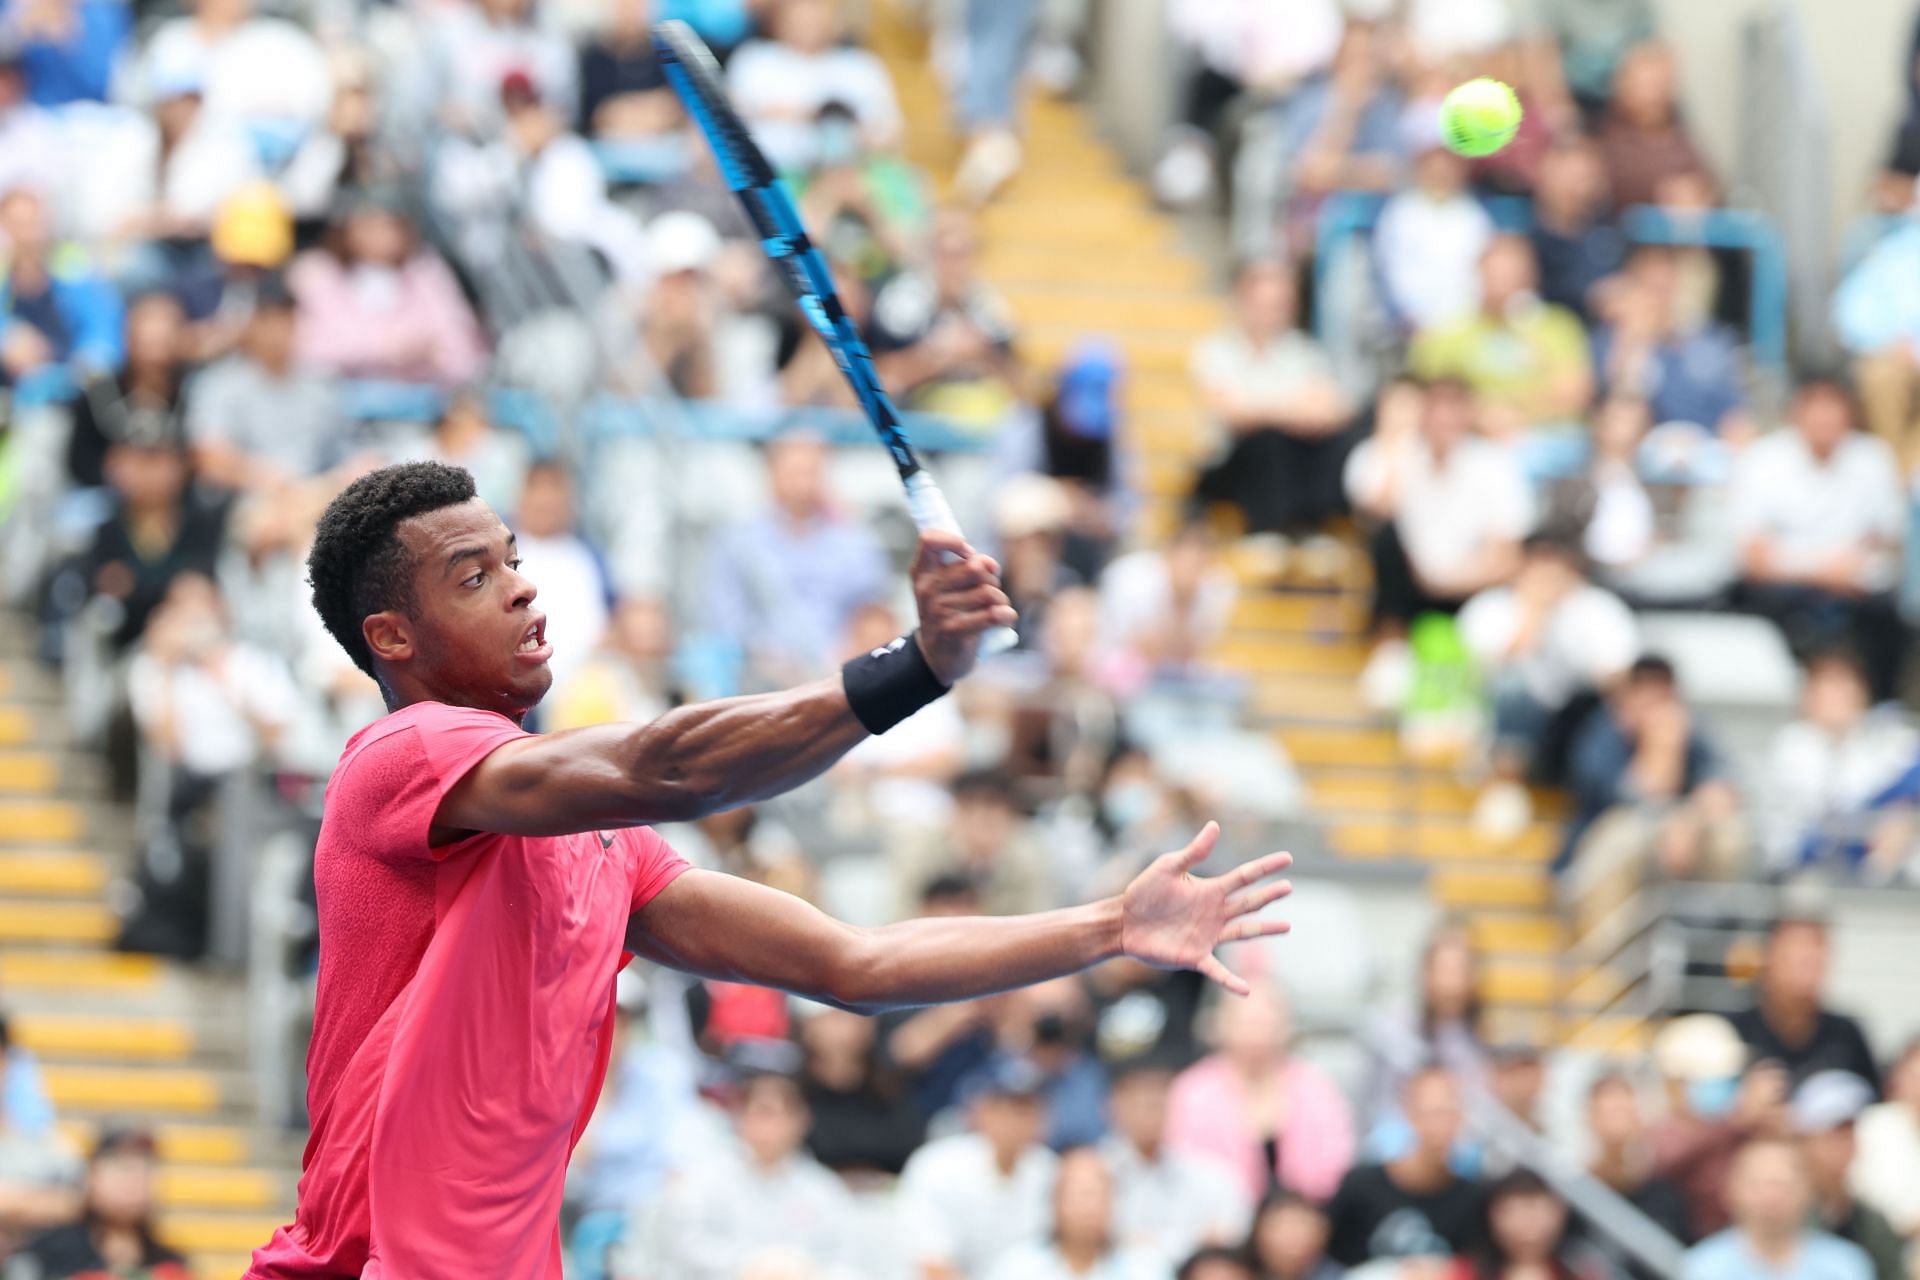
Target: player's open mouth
pixel 533 645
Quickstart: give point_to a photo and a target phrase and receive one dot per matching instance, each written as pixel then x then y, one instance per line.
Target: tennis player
pixel 480 886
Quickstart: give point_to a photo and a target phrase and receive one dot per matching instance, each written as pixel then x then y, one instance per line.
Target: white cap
pixel 1826 1100
pixel 1031 503
pixel 1700 1046
pixel 681 241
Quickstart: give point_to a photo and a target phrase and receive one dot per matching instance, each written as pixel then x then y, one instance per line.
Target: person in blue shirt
pixel 68 48
pixel 55 307
pixel 1686 374
pixel 1771 1197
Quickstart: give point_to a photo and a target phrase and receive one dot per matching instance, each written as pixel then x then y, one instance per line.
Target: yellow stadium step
pixel 1161 394
pixel 204 1233
pixel 1457 889
pixel 216 1187
pixel 1342 747
pixel 1541 935
pixel 1010 266
pixel 190 1144
pixel 1526 982
pixel 220 1266
pixel 77 922
pixel 131 1089
pixel 41 821
pixel 1290 655
pixel 1442 841
pixel 56 1035
pixel 52 874
pixel 78 970
pixel 1079 229
pixel 1611 1035
pixel 28 772
pixel 16 727
pixel 1405 792
pixel 1160 355
pixel 1306 698
pixel 1116 310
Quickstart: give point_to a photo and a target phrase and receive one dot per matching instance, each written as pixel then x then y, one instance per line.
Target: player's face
pixel 476 638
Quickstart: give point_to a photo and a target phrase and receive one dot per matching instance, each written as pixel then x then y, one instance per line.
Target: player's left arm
pixel 720 926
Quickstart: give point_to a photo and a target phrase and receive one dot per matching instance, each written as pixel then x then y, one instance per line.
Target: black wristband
pixel 887 685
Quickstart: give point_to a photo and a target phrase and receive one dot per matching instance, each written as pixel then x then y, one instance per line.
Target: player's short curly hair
pixel 358 565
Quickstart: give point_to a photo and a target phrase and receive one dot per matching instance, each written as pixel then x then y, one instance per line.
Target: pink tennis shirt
pixel 463 1019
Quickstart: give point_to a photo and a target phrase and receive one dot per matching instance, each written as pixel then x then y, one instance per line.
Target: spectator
pixel 1643 138
pixel 1825 1108
pixel 1525 359
pixel 1546 646
pixel 251 237
pixel 1271 389
pixel 1826 768
pixel 1347 128
pixel 697 335
pixel 1216 1262
pixel 259 422
pixel 624 94
pixel 1887 1172
pixel 1819 516
pixel 1082 1241
pixel 1031 513
pixel 1168 1201
pixel 1414 1206
pixel 786 580
pixel 55 309
pixel 68 49
pixel 943 336
pixel 864 1123
pixel 899 779
pixel 114 1233
pixel 265 74
pixel 1163 611
pixel 1449 509
pixel 1623 1162
pixel 1576 246
pixel 1516 1083
pixel 989 843
pixel 941 1049
pixel 1790 1024
pixel 1526 1236
pixel 1714 1103
pixel 971 1199
pixel 1050 1026
pixel 630 679
pixel 575 594
pixel 1289 1239
pixel 1430 236
pixel 473 46
pixel 465 435
pixel 143 399
pixel 1651 796
pixel 1770 1198
pixel 866 207
pixel 1079 448
pixel 733 1203
pixel 1143 1015
pixel 1880 327
pixel 780 84
pixel 155 533
pixel 376 303
pixel 1272 1117
pixel 1593 39
pixel 1444 1028
pixel 996 34
pixel 1686 372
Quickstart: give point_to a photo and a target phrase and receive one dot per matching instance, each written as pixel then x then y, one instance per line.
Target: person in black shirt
pixel 862 1122
pixel 158 529
pixel 1788 1024
pixel 624 93
pixel 115 1235
pixel 1624 1161
pixel 1577 247
pixel 1415 1206
pixel 1824 1110
pixel 142 400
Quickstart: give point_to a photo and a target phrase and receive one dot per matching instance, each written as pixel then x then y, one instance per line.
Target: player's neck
pixel 401 694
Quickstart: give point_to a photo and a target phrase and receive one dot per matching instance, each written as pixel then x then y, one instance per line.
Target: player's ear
pixel 389 634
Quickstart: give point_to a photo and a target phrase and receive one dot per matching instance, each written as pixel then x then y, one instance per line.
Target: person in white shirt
pixel 1084 1243
pixel 473 44
pixel 1450 509
pixel 1546 645
pixel 1828 765
pixel 967 1200
pixel 743 1201
pixel 1886 1172
pixel 574 590
pixel 779 85
pixel 1168 1202
pixel 1430 236
pixel 1819 516
pixel 1163 609
pixel 264 73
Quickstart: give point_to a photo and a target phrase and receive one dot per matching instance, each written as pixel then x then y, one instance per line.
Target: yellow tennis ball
pixel 1479 117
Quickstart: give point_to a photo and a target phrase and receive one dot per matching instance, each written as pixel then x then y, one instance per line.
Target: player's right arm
pixel 712 756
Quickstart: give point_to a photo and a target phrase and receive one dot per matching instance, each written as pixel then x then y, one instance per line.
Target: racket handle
pixel 929 509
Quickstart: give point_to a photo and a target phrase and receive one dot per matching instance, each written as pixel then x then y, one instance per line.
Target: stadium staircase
pixel 1078 248
pixel 120 1038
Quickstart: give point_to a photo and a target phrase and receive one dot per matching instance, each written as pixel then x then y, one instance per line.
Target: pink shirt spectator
pixel 409 324
pixel 464 1016
pixel 1207 1113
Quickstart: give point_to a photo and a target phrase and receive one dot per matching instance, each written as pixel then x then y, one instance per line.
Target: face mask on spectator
pixel 1127 804
pixel 836 142
pixel 1711 1099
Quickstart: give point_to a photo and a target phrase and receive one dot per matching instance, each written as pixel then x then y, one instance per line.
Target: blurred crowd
pixel 250 253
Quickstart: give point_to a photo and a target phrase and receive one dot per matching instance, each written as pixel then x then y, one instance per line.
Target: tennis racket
pixel 695 76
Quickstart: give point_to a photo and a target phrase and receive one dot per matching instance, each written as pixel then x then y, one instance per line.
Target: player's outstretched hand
pixel 1173 919
pixel 958 593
